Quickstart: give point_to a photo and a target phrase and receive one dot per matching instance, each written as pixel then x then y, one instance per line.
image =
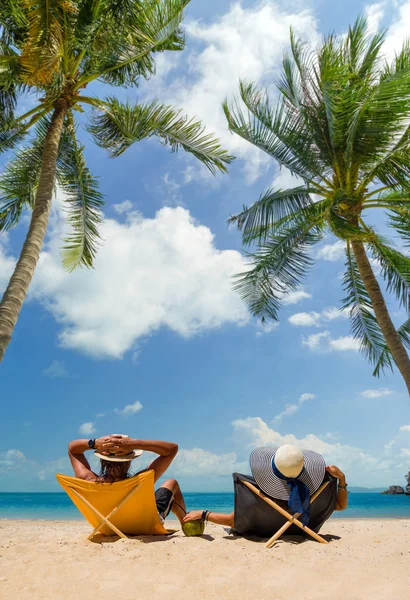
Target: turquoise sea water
pixel 58 506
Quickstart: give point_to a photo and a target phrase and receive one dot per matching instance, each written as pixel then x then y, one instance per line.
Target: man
pixel 288 475
pixel 116 453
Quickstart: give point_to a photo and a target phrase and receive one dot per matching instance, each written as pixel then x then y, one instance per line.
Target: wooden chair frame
pixel 106 520
pixel 291 519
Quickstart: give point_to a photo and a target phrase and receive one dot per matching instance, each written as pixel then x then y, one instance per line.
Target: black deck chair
pixel 260 515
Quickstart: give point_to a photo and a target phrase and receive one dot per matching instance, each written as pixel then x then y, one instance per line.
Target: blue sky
pixel 154 342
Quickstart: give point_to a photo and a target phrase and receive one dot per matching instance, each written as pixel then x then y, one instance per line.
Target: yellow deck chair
pixel 124 507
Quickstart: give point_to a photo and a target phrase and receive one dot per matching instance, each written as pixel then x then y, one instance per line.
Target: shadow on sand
pixel 288 539
pixel 146 539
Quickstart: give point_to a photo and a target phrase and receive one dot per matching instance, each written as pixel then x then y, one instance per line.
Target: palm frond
pixel 289 84
pixel 19 181
pixel 364 325
pixel 43 50
pixel 363 49
pixel 272 207
pixel 395 268
pixel 84 202
pixel 9 83
pixel 13 22
pixel 277 267
pixel 379 118
pixel 121 125
pixel 281 133
pixel 392 167
pixel 399 219
pixel 122 49
pixel 11 136
pixel 386 358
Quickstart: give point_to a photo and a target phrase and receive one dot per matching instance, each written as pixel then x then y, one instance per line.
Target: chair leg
pixel 292 519
pixel 110 525
pixel 284 527
pixel 277 535
pixel 104 520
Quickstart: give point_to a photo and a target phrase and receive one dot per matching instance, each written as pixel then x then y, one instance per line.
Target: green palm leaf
pixel 277 267
pixel 18 182
pixel 84 203
pixel 281 134
pixel 386 357
pixel 395 269
pixel 121 125
pixel 364 325
pixel 124 40
pixel 256 221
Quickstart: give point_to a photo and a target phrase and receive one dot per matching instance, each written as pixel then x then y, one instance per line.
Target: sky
pixel 154 342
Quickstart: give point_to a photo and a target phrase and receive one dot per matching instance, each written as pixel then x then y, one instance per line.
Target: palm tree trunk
pixel 391 336
pixel 17 289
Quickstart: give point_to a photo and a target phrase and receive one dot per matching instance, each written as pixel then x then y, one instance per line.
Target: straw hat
pixel 113 457
pixel 293 463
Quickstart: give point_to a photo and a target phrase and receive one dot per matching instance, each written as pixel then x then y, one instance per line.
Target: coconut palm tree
pixel 52 49
pixel 341 125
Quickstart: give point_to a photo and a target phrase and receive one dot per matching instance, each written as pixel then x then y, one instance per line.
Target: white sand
pixel 41 560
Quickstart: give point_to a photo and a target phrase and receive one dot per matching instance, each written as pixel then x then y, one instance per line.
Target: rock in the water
pixel 394 489
pixel 407 490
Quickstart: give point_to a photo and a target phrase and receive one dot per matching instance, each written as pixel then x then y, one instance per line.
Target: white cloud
pixel 332 312
pixel 11 456
pixel 374 14
pixel 323 342
pixel 291 409
pixel 315 319
pixel 87 428
pixel 295 297
pixel 237 45
pixel 344 344
pixel 306 396
pixel 171 191
pixel 388 447
pixel 316 341
pixel 376 393
pixel 332 252
pixel 129 409
pixel 405 428
pixel 149 273
pixel 24 474
pixel 56 369
pixel 12 459
pixel 264 328
pixel 198 461
pixel 123 207
pixel 305 319
pixel 398 31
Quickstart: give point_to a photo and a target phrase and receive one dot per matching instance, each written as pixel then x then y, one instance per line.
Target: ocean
pixel 57 506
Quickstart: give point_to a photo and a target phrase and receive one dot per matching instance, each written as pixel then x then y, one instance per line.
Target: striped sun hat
pixel 262 459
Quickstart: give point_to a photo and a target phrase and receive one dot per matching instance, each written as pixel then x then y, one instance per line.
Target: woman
pixel 278 471
pixel 116 453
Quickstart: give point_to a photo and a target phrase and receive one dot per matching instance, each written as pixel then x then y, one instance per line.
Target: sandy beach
pixel 365 559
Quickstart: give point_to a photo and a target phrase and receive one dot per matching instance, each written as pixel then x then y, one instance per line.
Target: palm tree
pixel 341 125
pixel 52 49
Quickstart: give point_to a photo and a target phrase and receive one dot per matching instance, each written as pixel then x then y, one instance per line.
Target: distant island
pixel 393 490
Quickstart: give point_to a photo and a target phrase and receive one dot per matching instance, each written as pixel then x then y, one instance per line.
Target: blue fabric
pixel 299 499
